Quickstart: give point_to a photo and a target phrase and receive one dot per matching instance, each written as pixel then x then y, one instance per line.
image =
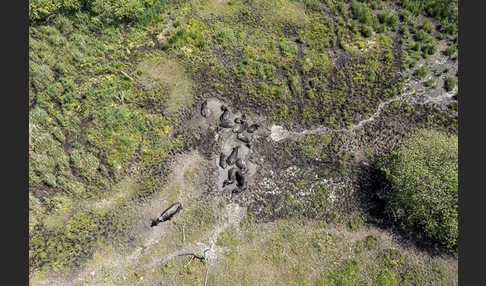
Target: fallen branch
pixel 206 278
pixel 192 258
pixel 201 258
pixel 126 75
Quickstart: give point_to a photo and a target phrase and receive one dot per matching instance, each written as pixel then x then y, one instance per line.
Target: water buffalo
pixel 204 109
pixel 232 157
pixel 231 173
pixel 227 182
pixel 224 116
pixel 245 139
pixel 231 177
pixel 238 190
pixel 241 120
pixel 168 213
pixel 241 128
pixel 252 128
pixel 240 179
pixel 225 124
pixel 222 161
pixel 240 164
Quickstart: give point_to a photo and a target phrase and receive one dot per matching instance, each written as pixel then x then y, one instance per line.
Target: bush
pixel 105 10
pixel 423 185
pixel 427 26
pixel 420 36
pixel 366 31
pixel 362 13
pixel 40 9
pixel 450 83
pixel 371 242
pixel 429 49
pixel 450 50
pixel 421 72
pixel 387 278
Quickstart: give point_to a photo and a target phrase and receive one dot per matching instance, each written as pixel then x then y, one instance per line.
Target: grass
pixel 162 72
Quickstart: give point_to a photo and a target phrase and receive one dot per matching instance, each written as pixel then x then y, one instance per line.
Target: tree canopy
pixel 424 185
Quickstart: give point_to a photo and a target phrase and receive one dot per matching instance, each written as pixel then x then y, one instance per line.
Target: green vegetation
pixel 450 83
pixel 387 278
pixel 421 72
pixel 106 11
pixel 424 182
pixel 88 122
pixel 110 82
pixel 371 242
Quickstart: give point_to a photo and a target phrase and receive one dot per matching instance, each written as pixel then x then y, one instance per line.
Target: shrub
pixel 429 49
pixel 423 185
pixel 225 35
pixel 361 12
pixel 450 83
pixel 450 50
pixel 387 278
pixel 371 242
pixel 421 72
pixel 404 31
pixel 347 273
pixel 420 36
pixel 427 26
pixel 366 31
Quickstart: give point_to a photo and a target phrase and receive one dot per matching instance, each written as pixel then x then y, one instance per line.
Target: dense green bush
pixel 423 181
pixel 40 9
pixel 103 10
pixel 366 31
pixel 362 13
pixel 439 9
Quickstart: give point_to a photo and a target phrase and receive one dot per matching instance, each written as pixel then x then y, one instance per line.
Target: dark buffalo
pixel 245 139
pixel 225 124
pixel 241 128
pixel 204 109
pixel 231 173
pixel 222 161
pixel 224 116
pixel 227 182
pixel 168 213
pixel 240 179
pixel 238 190
pixel 240 164
pixel 252 128
pixel 241 120
pixel 231 177
pixel 232 157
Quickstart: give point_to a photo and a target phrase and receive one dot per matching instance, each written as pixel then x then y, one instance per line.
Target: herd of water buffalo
pixel 235 174
pixel 237 167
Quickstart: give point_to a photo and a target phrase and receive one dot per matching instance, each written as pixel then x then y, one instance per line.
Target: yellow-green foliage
pixel 65 246
pixel 424 185
pixel 104 10
pixel 188 37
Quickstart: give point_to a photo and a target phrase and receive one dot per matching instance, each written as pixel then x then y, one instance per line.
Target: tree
pixel 423 185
